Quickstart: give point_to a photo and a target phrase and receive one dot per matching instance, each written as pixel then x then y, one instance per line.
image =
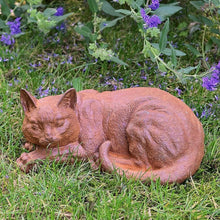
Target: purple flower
pixel 195 111
pixel 46 58
pixel 115 87
pixel 61 27
pixel 212 82
pixel 154 5
pixel 179 91
pixel 60 11
pixel 209 84
pixel 42 92
pixel 218 66
pixel 150 22
pixel 204 114
pixel 15 26
pixel 33 65
pixel 144 15
pixel 207 111
pixel 7 39
pixel 54 90
pixel 70 58
pixel 154 21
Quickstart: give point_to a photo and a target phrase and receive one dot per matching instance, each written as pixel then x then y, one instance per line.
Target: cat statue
pixel 142 133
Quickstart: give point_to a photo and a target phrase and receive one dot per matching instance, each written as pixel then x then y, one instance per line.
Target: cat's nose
pixel 49 138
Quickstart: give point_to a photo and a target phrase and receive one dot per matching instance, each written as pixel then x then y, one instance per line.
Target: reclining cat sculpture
pixel 144 133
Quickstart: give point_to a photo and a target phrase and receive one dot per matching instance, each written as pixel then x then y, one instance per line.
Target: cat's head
pixel 50 121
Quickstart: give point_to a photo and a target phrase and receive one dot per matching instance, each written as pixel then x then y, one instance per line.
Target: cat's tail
pixel 180 170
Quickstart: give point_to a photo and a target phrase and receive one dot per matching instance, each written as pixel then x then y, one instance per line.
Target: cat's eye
pixel 35 127
pixel 60 122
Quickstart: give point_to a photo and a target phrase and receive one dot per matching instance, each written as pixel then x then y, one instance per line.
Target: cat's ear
pixel 68 99
pixel 28 101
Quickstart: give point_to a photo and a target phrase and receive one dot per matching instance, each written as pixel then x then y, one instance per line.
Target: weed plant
pixel 51 65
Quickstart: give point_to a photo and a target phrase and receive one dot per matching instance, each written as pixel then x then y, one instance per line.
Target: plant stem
pixel 203 47
pixel 157 57
pixel 16 6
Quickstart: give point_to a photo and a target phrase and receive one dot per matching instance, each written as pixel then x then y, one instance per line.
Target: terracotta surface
pixel 142 132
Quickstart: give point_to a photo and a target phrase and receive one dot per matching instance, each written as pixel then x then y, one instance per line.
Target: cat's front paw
pixel 28 146
pixel 25 162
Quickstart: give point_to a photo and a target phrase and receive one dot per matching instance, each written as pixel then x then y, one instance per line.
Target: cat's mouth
pixel 49 143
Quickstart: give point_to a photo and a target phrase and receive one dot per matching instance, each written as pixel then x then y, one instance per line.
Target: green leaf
pixel 93 6
pixel 153 52
pixel 194 18
pixel 206 21
pixel 45 26
pixel 163 36
pixel 161 67
pixel 166 10
pixel 34 2
pixel 117 60
pixel 124 11
pixel 187 70
pixel 61 18
pixel 104 54
pixel 153 32
pixel 216 3
pixel 193 50
pixel 106 24
pixel 167 51
pixel 208 45
pixel 86 32
pixel 136 4
pixel 4 7
pixel 216 31
pixel 202 19
pixel 173 56
pixel 108 9
pixel 197 4
pixel 2 24
pixel 33 15
pixel 140 2
pixel 49 12
pixel 216 41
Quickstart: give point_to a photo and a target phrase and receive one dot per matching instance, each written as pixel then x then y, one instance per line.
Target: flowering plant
pixel 211 83
pixel 27 13
pixel 148 17
pixel 152 19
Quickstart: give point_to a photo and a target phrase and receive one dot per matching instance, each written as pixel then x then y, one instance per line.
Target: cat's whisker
pixel 48 146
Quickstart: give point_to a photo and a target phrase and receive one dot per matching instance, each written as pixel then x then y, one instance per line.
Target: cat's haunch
pixel 144 133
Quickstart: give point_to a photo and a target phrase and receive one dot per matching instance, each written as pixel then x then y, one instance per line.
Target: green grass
pixel 63 191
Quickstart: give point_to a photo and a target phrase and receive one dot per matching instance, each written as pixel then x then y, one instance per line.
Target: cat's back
pixel 127 102
pixel 139 95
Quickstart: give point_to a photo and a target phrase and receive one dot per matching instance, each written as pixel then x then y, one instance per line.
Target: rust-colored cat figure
pixel 145 133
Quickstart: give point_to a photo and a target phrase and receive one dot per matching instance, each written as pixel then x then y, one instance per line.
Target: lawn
pixel 51 64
